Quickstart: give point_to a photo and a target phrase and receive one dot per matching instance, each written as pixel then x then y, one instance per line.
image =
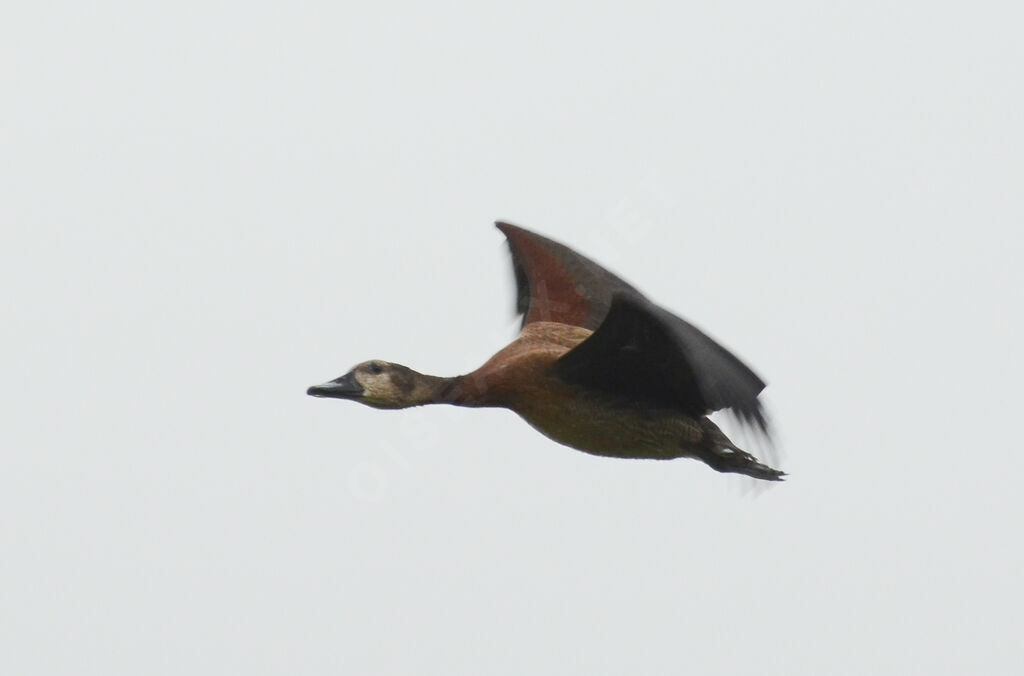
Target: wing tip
pixel 506 227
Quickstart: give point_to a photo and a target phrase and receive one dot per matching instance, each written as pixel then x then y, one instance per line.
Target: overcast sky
pixel 208 206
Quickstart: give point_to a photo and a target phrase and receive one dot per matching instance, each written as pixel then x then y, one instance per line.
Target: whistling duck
pixel 596 366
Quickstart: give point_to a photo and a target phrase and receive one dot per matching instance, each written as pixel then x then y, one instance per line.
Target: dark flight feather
pixel 647 354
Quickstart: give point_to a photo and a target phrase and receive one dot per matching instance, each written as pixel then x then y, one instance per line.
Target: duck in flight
pixel 597 367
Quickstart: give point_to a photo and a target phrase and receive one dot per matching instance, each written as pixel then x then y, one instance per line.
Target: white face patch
pixel 378 388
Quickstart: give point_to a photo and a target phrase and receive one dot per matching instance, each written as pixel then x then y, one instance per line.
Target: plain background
pixel 209 206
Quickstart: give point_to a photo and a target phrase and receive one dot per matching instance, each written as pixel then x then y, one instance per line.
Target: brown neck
pixel 457 391
pixel 429 390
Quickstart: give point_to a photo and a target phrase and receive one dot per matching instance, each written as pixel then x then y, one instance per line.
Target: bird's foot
pixel 734 460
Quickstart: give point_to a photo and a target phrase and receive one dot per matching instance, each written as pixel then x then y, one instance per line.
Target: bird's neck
pixel 455 391
pixel 428 389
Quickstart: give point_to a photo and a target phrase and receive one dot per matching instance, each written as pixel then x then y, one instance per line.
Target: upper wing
pixel 645 353
pixel 556 284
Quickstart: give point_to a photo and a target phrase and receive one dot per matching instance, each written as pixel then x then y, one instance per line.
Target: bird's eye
pixel 375 368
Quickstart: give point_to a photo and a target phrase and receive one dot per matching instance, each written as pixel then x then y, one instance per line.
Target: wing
pixel 645 353
pixel 556 284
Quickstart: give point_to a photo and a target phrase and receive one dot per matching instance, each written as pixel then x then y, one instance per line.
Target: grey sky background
pixel 209 206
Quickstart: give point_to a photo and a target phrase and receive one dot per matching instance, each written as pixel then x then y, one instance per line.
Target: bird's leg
pixel 733 460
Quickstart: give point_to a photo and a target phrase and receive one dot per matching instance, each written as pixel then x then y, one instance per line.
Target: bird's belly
pixel 621 432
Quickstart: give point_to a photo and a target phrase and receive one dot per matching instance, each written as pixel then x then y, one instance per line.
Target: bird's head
pixel 379 384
